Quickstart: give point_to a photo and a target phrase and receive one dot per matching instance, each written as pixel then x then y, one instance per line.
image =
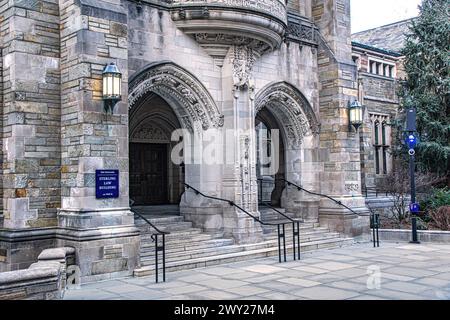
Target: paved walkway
pixel 394 271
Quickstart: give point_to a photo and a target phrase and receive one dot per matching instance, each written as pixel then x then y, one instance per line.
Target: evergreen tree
pixel 427 56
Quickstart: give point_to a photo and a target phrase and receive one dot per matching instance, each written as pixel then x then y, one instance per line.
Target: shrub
pixel 441 218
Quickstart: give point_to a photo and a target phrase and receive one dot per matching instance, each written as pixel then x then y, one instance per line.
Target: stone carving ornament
pixel 150 133
pixel 191 101
pixel 242 60
pixel 291 109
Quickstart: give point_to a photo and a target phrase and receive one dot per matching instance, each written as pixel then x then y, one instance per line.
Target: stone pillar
pixel 239 177
pixel 338 85
pixel 30 129
pixel 102 231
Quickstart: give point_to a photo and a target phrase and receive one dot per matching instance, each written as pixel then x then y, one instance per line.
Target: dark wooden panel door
pixel 148 173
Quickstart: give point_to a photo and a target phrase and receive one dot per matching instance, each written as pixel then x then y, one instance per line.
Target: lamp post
pixel 112 86
pixel 355 114
pixel 411 142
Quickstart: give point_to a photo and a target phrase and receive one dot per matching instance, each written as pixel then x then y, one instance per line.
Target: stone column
pixel 30 109
pixel 239 177
pixel 338 85
pixel 102 231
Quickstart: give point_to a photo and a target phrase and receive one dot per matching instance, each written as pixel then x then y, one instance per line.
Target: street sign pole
pixel 412 142
pixel 413 198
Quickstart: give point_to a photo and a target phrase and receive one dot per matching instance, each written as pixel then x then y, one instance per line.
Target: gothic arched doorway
pixel 282 106
pixel 270 158
pixel 164 97
pixel 154 178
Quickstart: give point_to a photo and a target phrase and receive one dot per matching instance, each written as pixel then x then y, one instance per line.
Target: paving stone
pixel 333 266
pixel 325 293
pixel 412 272
pixel 264 269
pixel 367 297
pixel 264 278
pixel 261 279
pixel 300 282
pixel 241 275
pixel 349 285
pixel 123 288
pixel 222 283
pixel 312 270
pixel 435 282
pixel 394 295
pixel 246 291
pixel 193 278
pixel 218 271
pixel 217 295
pixel 184 290
pixel 146 294
pixel 279 296
pixel 417 248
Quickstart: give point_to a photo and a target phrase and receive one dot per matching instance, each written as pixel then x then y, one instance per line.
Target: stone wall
pixel 102 231
pixel 31 114
pixel 338 87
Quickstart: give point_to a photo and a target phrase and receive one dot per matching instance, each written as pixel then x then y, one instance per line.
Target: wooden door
pixel 148 173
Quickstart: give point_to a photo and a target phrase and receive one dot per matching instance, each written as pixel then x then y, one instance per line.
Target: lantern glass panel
pixel 117 86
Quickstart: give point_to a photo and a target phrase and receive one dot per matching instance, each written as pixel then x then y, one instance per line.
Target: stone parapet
pixel 43 280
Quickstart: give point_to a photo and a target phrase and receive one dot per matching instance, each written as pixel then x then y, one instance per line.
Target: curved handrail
pixel 281 227
pixel 281 213
pixel 231 203
pixel 299 188
pixel 147 221
pixel 276 210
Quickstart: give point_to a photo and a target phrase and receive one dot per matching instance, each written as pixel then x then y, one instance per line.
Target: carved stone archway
pixel 190 100
pixel 291 109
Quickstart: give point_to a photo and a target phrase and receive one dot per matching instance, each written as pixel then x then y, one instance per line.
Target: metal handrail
pixel 299 188
pixel 374 218
pixel 281 234
pixel 231 203
pixel 279 212
pixel 158 248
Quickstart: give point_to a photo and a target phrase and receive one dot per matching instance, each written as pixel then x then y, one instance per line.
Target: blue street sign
pixel 414 208
pixel 106 184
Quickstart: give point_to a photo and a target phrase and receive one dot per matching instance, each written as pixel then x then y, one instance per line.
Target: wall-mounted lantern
pixel 355 114
pixel 112 86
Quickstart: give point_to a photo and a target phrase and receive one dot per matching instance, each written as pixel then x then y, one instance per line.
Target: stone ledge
pixel 19 277
pixel 56 253
pixel 43 280
pixel 423 235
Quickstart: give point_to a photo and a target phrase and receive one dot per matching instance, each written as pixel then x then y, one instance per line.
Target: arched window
pixel 381 143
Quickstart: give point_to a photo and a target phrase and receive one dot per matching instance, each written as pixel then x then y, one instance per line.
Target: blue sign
pixel 411 141
pixel 414 208
pixel 106 184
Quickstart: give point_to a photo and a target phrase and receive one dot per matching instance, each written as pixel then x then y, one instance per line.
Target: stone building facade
pixel 202 66
pixel 377 54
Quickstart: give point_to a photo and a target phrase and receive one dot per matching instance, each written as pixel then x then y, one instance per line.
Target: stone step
pixel 159 220
pixel 148 258
pixel 188 245
pixel 242 255
pixel 178 226
pixel 181 234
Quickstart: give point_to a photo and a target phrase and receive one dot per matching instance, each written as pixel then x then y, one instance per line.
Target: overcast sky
pixel 367 14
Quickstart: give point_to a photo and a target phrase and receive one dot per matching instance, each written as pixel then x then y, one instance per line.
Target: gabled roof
pixel 389 38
